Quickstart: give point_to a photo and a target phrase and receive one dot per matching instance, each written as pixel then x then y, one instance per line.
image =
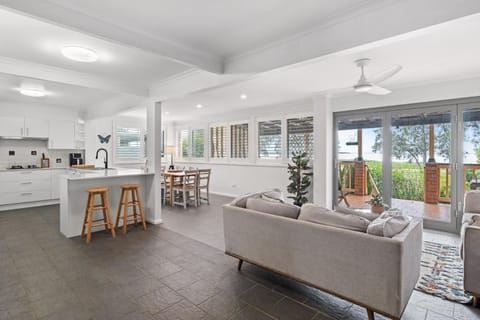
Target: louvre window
pixel 300 136
pixel 128 144
pixel 239 141
pixel 218 142
pixel 198 143
pixel 270 139
pixel 183 144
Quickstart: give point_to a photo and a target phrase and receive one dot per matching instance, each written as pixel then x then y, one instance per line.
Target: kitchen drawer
pixel 25 175
pixel 21 197
pixel 25 185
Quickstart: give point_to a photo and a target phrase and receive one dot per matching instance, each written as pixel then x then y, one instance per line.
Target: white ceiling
pixel 59 94
pixel 40 42
pixel 441 53
pixel 219 27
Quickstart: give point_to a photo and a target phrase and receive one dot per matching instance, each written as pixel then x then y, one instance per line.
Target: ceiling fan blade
pixel 378 91
pixel 385 74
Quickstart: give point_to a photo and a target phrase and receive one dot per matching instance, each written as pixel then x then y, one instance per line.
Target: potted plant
pixel 376 203
pixel 299 176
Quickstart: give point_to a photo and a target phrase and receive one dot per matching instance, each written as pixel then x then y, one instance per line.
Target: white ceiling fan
pixel 370 85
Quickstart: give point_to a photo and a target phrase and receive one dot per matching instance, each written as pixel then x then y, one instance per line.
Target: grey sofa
pixel 471 245
pixel 374 272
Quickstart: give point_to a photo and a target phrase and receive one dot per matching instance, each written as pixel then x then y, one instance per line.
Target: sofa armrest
pixel 471 259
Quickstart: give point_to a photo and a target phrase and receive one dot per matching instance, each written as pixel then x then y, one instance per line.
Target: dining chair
pixel 186 189
pixel 165 188
pixel 204 183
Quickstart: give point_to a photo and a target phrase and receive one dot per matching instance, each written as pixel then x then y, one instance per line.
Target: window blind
pixel 270 139
pixel 239 141
pixel 218 142
pixel 183 144
pixel 128 143
pixel 300 136
pixel 198 143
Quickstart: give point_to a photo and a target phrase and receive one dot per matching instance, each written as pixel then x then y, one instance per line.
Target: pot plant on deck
pixel 376 203
pixel 299 176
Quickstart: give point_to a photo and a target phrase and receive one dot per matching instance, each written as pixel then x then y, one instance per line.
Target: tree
pixel 411 142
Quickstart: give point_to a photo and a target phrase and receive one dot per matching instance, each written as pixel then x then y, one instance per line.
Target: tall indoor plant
pixel 299 176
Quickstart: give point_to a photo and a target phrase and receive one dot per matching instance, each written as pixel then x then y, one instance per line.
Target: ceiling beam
pixel 49 73
pixel 77 21
pixel 369 25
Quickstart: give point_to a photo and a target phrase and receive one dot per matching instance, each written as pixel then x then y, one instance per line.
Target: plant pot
pixel 377 210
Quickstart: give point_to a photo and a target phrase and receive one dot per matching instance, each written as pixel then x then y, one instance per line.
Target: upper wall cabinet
pixel 62 135
pixel 23 127
pixel 36 128
pixel 12 127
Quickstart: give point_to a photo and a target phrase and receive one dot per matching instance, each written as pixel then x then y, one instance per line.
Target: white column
pixel 322 151
pixel 153 194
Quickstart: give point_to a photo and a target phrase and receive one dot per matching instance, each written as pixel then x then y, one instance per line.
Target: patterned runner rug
pixel 441 272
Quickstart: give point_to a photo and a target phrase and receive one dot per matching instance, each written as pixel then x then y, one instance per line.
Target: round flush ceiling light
pixel 243 96
pixel 80 54
pixel 32 92
pixel 199 106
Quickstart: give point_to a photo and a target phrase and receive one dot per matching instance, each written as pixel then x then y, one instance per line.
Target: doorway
pixel 421 158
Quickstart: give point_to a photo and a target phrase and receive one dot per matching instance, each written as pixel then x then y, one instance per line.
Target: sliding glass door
pixel 409 156
pixel 422 183
pixel 359 161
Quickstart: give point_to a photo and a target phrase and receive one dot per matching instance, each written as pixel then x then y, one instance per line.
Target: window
pixel 300 136
pixel 239 141
pixel 270 139
pixel 183 144
pixel 128 144
pixel 218 142
pixel 198 143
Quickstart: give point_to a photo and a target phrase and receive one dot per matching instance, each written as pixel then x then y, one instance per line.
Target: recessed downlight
pixel 243 96
pixel 80 54
pixel 32 92
pixel 167 113
pixel 199 106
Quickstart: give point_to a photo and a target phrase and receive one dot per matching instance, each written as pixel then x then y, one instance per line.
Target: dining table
pixel 172 174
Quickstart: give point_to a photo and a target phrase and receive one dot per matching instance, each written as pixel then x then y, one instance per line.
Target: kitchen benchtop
pixel 82 174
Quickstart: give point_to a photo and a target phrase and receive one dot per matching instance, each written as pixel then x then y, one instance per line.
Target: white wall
pixel 234 179
pixel 36 110
pixel 104 127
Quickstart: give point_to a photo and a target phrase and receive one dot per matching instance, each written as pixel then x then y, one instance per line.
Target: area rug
pixel 441 272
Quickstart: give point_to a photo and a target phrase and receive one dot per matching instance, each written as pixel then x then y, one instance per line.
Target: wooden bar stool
pixel 136 203
pixel 91 207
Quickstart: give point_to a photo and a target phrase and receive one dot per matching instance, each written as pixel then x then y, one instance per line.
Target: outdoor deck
pixel 439 212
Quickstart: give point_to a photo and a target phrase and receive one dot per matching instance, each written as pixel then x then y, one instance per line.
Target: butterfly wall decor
pixel 103 139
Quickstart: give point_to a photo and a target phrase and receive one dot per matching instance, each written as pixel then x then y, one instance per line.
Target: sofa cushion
pixel 389 223
pixel 364 213
pixel 241 201
pixel 275 195
pixel 321 215
pixel 279 209
pixel 468 219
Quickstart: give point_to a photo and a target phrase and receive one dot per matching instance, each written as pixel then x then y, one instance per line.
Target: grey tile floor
pixel 157 274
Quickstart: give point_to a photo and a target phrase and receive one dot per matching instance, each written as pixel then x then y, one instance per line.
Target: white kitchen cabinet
pixel 23 127
pixel 36 128
pixel 22 186
pixel 12 126
pixel 61 134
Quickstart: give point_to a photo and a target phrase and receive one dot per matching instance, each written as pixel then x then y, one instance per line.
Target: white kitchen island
pixel 73 195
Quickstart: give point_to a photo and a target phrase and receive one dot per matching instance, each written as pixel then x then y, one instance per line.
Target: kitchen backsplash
pixel 29 152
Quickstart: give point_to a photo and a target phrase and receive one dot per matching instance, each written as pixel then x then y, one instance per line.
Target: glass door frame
pixel 456 152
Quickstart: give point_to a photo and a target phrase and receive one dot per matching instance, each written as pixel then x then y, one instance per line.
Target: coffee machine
pixel 76 159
